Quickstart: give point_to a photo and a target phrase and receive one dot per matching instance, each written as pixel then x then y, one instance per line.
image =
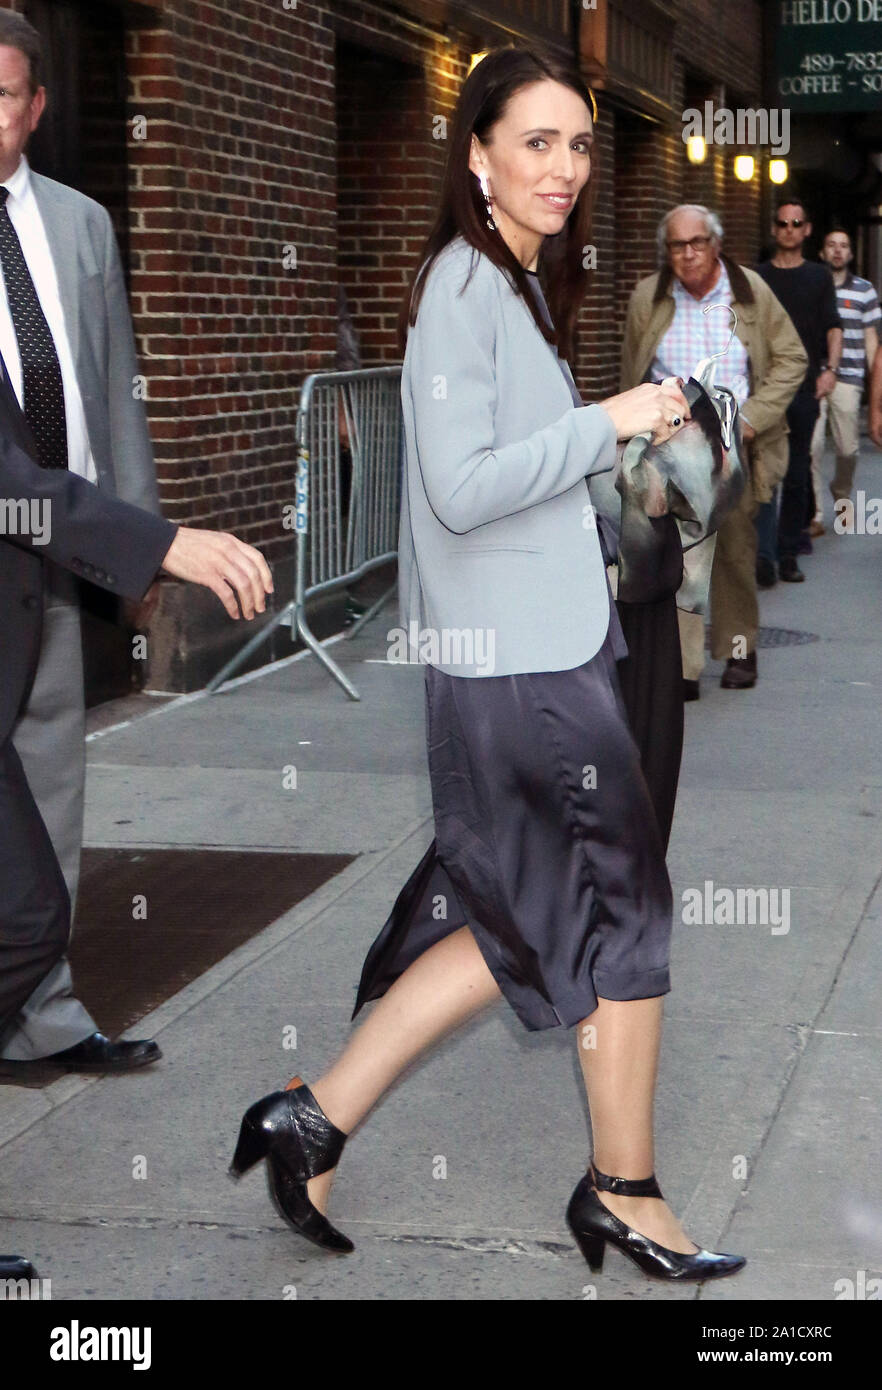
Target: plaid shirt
pixel 694 335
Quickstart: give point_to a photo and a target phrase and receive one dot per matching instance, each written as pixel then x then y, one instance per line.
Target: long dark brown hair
pixel 483 99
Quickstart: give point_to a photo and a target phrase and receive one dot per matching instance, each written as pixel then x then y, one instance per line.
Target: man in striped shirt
pixel 859 311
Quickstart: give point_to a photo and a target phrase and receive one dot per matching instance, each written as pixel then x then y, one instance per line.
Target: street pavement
pixel 767 1113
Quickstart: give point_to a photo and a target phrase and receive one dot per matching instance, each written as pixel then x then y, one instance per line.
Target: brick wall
pixel 271 131
pixel 233 256
pixel 636 188
pixel 643 171
pixel 595 368
pixel 233 249
pixel 386 183
pixel 272 150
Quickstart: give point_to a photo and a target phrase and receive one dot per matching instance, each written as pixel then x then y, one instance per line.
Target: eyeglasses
pixel 697 243
pixel 795 222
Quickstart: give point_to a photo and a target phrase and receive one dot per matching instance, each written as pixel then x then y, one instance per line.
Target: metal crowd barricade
pixel 340 538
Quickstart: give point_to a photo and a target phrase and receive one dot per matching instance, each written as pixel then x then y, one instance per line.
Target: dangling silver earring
pixel 485 189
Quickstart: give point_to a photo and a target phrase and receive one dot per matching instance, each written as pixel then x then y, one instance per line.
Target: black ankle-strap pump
pixel 593 1225
pixel 626 1187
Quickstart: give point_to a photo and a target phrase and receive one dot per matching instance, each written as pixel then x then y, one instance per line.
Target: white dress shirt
pixel 24 215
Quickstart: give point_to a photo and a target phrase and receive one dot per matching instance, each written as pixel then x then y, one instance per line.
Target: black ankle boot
pixel 593 1224
pixel 292 1132
pixel 789 570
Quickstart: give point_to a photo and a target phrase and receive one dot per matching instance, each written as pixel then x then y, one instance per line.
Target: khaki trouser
pixel 733 603
pixel 841 408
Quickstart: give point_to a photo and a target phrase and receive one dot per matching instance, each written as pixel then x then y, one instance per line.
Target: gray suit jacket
pixel 99 326
pixel 498 547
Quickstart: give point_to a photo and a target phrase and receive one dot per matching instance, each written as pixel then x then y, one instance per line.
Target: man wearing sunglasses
pixel 808 294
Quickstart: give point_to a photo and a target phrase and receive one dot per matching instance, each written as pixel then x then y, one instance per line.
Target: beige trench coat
pixel 777 361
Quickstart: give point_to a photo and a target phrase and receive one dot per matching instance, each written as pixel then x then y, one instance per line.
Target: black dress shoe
pixel 593 1225
pixel 765 574
pixel 740 673
pixel 691 690
pixel 789 570
pixel 16 1267
pixel 98 1053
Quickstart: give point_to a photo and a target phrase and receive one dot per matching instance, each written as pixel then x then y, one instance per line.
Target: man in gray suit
pixel 66 336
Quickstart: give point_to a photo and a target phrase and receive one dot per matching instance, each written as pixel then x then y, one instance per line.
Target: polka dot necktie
pixel 41 370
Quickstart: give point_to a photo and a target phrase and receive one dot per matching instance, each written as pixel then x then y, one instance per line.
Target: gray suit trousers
pixel 49 739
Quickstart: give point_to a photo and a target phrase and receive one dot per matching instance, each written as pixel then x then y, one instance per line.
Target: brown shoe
pixel 817 528
pixel 740 673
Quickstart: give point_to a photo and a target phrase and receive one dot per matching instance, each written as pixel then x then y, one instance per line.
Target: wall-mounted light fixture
pixel 696 149
pixel 778 170
pixel 476 58
pixel 744 167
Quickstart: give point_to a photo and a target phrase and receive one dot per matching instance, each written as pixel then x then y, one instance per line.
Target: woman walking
pixel 547 846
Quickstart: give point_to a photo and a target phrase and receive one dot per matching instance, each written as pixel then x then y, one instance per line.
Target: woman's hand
pixel 649 409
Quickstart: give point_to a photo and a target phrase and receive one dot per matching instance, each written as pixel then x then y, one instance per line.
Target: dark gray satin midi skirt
pixel 546 844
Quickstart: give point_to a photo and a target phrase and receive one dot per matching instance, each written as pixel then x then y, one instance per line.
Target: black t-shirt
pixel 808 294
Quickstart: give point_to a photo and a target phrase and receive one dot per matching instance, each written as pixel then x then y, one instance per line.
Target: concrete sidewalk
pixel 767 1109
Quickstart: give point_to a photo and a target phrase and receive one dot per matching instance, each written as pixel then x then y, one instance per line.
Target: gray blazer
pixel 500 567
pixel 99 326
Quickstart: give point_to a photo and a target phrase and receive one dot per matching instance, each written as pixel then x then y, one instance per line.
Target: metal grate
pixel 784 637
pixel 780 637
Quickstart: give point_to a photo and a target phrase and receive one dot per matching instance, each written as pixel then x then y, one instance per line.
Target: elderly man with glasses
pixel 668 334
